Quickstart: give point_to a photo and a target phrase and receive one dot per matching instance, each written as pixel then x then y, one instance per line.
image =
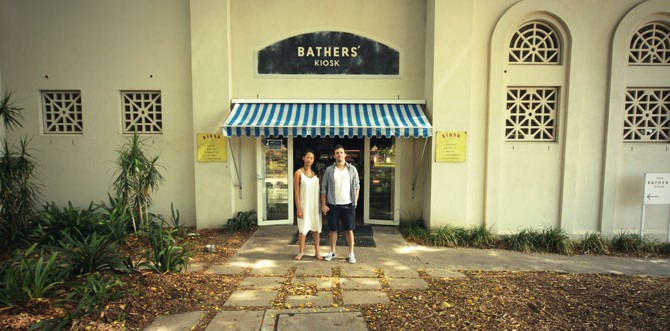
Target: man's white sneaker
pixel 352 259
pixel 329 256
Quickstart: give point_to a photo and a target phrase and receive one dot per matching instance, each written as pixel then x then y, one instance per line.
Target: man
pixel 339 195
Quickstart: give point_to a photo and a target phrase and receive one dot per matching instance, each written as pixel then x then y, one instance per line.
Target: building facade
pixel 513 114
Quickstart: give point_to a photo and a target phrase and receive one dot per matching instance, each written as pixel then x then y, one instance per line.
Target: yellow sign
pixel 450 146
pixel 211 147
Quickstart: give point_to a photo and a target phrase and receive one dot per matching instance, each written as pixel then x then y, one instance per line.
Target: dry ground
pixel 482 300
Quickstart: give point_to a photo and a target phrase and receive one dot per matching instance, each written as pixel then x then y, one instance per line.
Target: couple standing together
pixel 337 195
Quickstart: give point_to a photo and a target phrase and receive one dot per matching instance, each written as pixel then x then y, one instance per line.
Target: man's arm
pixel 324 191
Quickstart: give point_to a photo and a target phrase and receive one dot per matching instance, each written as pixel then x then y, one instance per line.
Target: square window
pixel 142 111
pixel 531 114
pixel 62 112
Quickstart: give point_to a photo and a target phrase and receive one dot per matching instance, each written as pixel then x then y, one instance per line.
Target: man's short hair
pixel 337 147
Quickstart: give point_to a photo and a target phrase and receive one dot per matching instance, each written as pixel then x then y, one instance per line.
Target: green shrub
pixel 176 223
pixel 18 193
pixel 448 235
pixel 664 248
pixel 164 254
pixel 56 222
pixel 594 243
pixel 95 292
pixel 116 219
pixel 555 240
pixel 89 296
pixel 24 277
pixel 243 221
pixel 137 177
pixel 480 237
pixel 524 241
pixel 94 253
pixel 632 243
pixel 415 231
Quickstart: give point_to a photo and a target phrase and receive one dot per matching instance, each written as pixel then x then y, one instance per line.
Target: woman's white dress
pixel 309 201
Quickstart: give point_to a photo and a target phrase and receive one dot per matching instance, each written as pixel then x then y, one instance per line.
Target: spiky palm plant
pixel 18 192
pixel 10 112
pixel 137 176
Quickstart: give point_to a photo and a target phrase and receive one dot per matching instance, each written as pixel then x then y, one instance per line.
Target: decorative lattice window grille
pixel 535 43
pixel 531 114
pixel 647 115
pixel 62 112
pixel 650 45
pixel 142 112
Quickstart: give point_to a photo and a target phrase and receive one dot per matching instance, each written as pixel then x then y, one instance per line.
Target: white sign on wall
pixel 657 189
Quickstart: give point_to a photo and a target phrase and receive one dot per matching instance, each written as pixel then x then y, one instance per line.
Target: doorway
pixel 323 154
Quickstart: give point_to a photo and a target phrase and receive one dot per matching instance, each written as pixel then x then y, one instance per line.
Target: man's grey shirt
pixel 328 184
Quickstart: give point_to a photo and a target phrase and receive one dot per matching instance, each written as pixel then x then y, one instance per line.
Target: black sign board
pixel 328 53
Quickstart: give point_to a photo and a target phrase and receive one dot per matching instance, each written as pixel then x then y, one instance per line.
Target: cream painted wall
pixel 627 162
pixel 101 48
pixel 450 102
pixel 397 23
pixel 584 130
pixel 216 184
pixel 200 54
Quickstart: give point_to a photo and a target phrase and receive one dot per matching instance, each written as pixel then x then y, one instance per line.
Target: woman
pixel 306 197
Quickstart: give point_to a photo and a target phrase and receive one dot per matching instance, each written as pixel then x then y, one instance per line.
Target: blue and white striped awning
pixel 327 120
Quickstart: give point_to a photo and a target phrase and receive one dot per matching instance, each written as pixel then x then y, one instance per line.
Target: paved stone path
pixel 323 296
pixel 303 290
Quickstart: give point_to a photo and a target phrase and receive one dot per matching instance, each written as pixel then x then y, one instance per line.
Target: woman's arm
pixel 296 193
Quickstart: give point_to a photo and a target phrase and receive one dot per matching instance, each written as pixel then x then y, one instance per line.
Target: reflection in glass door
pixel 274 182
pixel 382 205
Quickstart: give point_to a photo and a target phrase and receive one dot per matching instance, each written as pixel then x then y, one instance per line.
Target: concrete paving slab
pixel 236 320
pixel 314 269
pixel 225 269
pixel 351 321
pixel 400 272
pixel 177 322
pixel 321 299
pixel 357 270
pixel 364 297
pixel 251 298
pixel 360 284
pixel 407 283
pixel 269 271
pixel 271 283
pixel 320 282
pixel 271 319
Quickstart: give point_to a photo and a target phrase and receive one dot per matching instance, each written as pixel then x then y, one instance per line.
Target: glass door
pixel 381 186
pixel 275 201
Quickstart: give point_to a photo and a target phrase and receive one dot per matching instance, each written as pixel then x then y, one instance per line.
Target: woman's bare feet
pixel 299 256
pixel 319 257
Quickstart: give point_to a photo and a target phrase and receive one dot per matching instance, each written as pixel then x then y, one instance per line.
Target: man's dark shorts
pixel 346 213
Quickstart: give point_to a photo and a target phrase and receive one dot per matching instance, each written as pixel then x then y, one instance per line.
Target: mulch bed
pixel 481 300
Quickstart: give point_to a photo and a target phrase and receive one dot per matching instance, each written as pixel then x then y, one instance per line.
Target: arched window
pixel 532 110
pixel 535 42
pixel 650 45
pixel 647 104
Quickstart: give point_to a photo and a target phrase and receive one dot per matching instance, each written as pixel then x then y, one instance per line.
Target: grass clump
pixel 631 243
pixel 525 241
pixel 242 221
pixel 548 240
pixel 449 236
pixel 593 243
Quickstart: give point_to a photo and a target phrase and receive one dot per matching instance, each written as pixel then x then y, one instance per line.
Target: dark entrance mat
pixel 363 237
